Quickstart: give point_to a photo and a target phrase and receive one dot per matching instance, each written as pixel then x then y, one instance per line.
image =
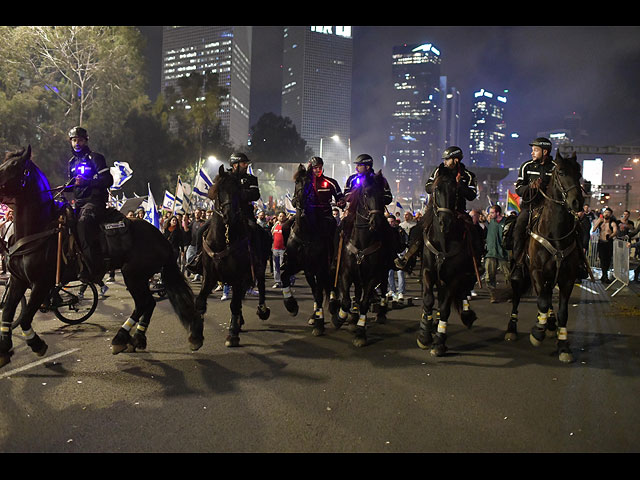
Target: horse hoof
pixel 337 322
pixel 292 306
pixel 312 320
pixel 318 331
pixel 232 341
pixel 116 349
pixel 468 317
pixel 566 357
pixel 195 342
pixel 360 342
pixel 551 333
pixel 263 312
pixel 38 346
pixel 120 342
pixel 424 342
pixel 139 341
pixel 438 350
pixel 536 336
pixel 381 318
pixel 5 358
pixel 510 336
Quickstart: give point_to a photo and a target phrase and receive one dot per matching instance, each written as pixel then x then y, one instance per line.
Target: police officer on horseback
pixel 467 189
pixel 90 180
pixel 321 192
pixel 364 167
pixel 533 176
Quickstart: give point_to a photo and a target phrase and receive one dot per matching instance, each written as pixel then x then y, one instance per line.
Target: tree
pixel 275 139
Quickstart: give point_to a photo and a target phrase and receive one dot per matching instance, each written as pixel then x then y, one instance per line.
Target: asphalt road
pixel 284 390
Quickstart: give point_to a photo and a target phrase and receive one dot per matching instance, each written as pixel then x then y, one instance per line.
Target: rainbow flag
pixel 513 202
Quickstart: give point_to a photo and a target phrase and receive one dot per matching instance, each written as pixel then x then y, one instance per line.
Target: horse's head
pixel 368 199
pixel 444 198
pixel 225 193
pixel 566 182
pixel 301 180
pixel 14 172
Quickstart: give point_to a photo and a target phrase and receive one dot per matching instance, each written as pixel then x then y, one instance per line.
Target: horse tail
pixel 180 295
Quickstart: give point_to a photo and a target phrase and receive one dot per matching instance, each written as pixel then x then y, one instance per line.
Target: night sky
pixel 550 72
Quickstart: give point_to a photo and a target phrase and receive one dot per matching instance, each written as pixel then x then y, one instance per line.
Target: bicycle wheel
pixel 72 303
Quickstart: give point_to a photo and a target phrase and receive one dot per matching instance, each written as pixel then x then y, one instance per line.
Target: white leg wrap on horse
pixel 286 292
pixel 319 313
pixel 5 329
pixel 332 295
pixel 129 324
pixel 465 305
pixel 28 334
pixel 562 333
pixel 362 321
pixel 141 328
pixel 542 318
pixel 442 327
pixel 342 314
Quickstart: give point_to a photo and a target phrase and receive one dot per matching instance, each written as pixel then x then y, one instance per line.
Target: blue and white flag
pixel 169 201
pixel 151 214
pixel 182 203
pixel 288 206
pixel 399 206
pixel 121 172
pixel 202 184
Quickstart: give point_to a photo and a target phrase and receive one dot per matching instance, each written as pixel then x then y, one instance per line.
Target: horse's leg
pixel 426 330
pixel 38 296
pixel 341 315
pixel 467 315
pixel 318 295
pixel 313 285
pixel 135 284
pixel 238 290
pixel 14 295
pixel 564 352
pixel 360 339
pixel 518 288
pixel 538 331
pixel 439 348
pixel 263 311
pixel 290 269
pixel 381 314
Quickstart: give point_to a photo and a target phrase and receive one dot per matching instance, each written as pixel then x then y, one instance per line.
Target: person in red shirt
pixel 277 248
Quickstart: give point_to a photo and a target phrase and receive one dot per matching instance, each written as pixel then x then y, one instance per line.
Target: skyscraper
pixel 222 50
pixel 316 90
pixel 415 137
pixel 488 129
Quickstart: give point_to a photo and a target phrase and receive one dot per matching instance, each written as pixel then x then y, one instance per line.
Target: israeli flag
pixel 202 184
pixel 121 172
pixel 399 206
pixel 169 201
pixel 288 205
pixel 183 203
pixel 151 214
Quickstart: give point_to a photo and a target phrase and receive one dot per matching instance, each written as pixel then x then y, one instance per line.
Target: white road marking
pixel 39 362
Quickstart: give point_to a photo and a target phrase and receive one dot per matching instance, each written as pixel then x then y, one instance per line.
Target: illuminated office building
pixel 222 50
pixel 415 139
pixel 316 90
pixel 488 129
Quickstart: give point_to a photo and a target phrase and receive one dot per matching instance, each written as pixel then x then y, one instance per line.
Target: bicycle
pixel 68 302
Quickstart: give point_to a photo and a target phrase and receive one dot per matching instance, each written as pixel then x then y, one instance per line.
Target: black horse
pixel 234 254
pixel 447 264
pixel 365 255
pixel 310 248
pixel 553 256
pixel 140 252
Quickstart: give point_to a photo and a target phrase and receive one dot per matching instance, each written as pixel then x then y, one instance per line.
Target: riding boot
pixel 416 241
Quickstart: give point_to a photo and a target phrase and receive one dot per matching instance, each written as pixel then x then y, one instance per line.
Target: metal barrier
pixel 592 251
pixel 620 264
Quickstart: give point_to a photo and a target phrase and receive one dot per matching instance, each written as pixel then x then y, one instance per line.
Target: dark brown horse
pixel 447 264
pixel 33 261
pixel 554 256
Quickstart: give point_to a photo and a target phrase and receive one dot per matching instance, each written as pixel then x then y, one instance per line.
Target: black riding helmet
pixel 452 152
pixel 78 132
pixel 238 158
pixel 364 159
pixel 543 143
pixel 316 162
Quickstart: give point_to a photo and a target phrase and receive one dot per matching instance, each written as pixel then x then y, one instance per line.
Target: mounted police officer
pixel 467 189
pixel 534 175
pixel 364 167
pixel 319 194
pixel 90 182
pixel 249 193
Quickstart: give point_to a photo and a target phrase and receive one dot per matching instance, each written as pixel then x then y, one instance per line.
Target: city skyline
pixel 549 71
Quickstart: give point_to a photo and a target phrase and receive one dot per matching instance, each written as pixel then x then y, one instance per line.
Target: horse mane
pixel 300 174
pixel 376 180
